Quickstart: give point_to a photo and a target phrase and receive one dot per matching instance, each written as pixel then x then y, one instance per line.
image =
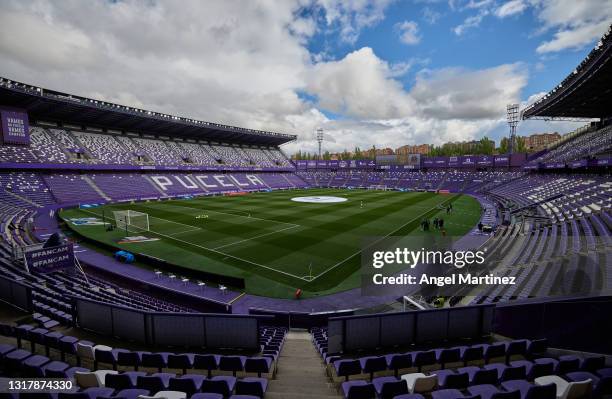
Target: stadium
pixel 150 255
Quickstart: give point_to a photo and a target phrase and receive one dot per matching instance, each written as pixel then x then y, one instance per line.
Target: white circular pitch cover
pixel 319 199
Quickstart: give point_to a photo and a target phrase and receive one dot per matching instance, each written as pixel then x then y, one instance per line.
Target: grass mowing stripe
pixel 422 215
pixel 256 237
pixel 209 249
pixel 273 262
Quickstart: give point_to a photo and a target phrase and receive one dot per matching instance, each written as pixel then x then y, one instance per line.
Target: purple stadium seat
pixel 471 353
pixel 128 358
pixel 592 363
pixel 206 362
pixel 451 394
pixel 373 364
pixel 219 384
pixel 517 347
pixel 257 365
pixel 189 384
pixel 489 391
pixel 399 361
pixel 537 347
pixel 55 368
pixel 448 355
pixel 14 360
pixel 358 389
pixel 33 366
pixel 531 391
pixel 534 370
pixel 130 393
pixel 423 358
pixel 68 345
pixel 158 360
pixel 119 381
pixel 389 387
pixel 207 395
pixel 232 363
pixel 181 361
pixel 152 383
pixel 506 373
pixel 450 379
pixel 347 368
pixel 478 376
pixel 52 340
pixel 253 386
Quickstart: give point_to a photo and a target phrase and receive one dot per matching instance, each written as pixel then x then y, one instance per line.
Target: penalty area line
pixel 214 250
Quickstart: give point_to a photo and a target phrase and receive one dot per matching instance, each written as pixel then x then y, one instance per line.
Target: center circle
pixel 319 199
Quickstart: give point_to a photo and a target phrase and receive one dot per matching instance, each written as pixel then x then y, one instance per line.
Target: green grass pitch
pixel 275 244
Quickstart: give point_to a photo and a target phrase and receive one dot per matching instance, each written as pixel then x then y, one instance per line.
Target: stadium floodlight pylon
pixel 132 220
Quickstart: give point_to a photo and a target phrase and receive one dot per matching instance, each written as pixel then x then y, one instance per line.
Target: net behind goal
pixel 133 220
pixel 378 187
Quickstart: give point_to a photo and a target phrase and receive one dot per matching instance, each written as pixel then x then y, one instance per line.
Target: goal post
pixel 134 220
pixel 378 187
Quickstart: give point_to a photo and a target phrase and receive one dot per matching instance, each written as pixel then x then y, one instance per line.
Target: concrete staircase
pixel 300 372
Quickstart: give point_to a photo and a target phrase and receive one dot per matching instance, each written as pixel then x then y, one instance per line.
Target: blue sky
pixel 368 72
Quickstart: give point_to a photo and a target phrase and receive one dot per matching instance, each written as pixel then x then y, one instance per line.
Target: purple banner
pixel 518 159
pixel 581 163
pixel 301 164
pixel 428 162
pixel 467 161
pixel 502 160
pixel 322 165
pixel 46 260
pixel 484 160
pixel 334 164
pixel 440 162
pixel 453 162
pixel 15 126
pixel 343 164
pixel 554 165
pixel 604 162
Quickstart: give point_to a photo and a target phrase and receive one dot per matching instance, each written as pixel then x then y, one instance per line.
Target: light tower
pixel 320 140
pixel 513 120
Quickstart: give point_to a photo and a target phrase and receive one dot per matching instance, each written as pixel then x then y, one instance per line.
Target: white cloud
pixel 512 7
pixel 576 24
pixel 454 93
pixel 573 38
pixel 472 21
pixel 430 15
pixel 360 85
pixel 244 63
pixel 408 32
pixel 352 16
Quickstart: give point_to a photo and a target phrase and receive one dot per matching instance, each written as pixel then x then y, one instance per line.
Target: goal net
pixel 133 220
pixel 378 187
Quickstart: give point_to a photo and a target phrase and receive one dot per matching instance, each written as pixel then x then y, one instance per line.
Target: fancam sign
pixel 15 126
pixel 47 260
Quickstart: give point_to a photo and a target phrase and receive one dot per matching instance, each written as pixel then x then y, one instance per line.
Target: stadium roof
pixel 48 105
pixel 585 93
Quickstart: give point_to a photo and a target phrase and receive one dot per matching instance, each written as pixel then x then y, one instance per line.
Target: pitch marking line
pixel 236 215
pixel 192 228
pixel 214 250
pixel 258 236
pixel 382 238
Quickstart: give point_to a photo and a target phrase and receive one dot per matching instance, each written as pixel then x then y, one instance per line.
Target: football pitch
pixel 275 244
